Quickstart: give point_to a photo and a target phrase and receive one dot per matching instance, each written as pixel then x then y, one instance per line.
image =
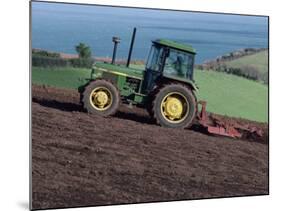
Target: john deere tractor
pixel 166 86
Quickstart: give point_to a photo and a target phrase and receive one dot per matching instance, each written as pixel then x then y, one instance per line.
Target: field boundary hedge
pixel 47 61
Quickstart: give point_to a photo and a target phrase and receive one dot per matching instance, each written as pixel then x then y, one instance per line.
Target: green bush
pixel 247 71
pixel 83 50
pixel 45 53
pixel 45 61
pixel 79 62
pixel 251 72
pixel 264 78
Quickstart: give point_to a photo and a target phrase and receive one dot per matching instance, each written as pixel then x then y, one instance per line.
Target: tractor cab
pixel 168 60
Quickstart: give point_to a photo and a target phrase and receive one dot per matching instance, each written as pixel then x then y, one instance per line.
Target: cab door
pixel 154 67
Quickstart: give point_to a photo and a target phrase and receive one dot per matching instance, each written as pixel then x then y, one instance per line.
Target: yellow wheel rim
pixel 174 107
pixel 101 98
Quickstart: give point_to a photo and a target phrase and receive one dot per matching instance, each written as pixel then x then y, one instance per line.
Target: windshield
pixel 179 64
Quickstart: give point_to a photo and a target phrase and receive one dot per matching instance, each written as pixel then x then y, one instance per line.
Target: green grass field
pixel 226 94
pixel 232 95
pixel 258 60
pixel 70 78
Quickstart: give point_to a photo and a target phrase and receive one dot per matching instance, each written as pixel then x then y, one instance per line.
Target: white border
pixel 15 103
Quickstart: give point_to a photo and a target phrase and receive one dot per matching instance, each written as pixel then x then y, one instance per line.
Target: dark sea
pixel 59 27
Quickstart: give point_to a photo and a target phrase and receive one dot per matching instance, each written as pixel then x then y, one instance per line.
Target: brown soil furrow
pixel 81 159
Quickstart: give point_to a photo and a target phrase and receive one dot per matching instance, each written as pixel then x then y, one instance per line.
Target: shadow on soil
pixel 63 106
pixel 134 117
pixel 144 119
pixel 70 107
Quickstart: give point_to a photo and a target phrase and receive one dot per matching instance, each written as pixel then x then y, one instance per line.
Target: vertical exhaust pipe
pixel 116 40
pixel 131 47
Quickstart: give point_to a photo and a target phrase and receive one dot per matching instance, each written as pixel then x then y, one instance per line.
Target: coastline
pixel 63 55
pixel 219 59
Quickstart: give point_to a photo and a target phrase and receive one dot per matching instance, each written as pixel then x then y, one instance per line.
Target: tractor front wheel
pixel 101 97
pixel 174 106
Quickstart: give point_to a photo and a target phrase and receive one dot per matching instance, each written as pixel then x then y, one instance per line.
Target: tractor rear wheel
pixel 101 97
pixel 174 106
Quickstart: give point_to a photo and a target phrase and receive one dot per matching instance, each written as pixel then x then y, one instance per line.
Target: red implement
pixel 217 126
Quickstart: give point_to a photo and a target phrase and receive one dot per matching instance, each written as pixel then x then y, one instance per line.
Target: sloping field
pixel 258 60
pixel 232 95
pixel 81 160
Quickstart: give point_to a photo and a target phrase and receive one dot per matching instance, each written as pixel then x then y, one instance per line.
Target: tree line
pixel 43 58
pixel 246 71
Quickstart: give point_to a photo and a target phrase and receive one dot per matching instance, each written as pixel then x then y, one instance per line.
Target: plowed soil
pixel 80 159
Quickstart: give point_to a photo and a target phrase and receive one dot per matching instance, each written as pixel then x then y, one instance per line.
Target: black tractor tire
pixel 186 96
pixel 114 94
pixel 149 104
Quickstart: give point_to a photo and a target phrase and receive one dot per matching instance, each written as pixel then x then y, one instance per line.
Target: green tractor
pixel 165 88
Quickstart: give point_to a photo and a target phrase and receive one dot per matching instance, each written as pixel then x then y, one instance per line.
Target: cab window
pixel 179 64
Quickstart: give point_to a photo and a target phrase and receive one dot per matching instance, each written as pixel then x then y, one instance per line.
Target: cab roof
pixel 175 45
